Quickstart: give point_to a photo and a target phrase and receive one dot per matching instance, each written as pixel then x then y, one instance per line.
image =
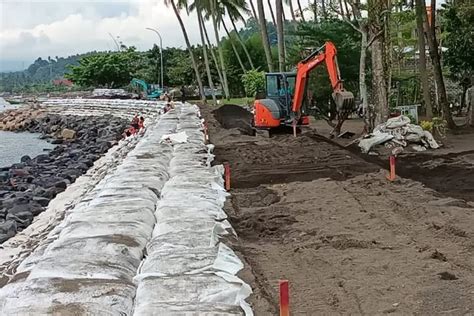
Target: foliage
pixel 40 73
pixel 458 18
pixel 253 81
pixel 111 70
pixel 310 36
pixel 427 126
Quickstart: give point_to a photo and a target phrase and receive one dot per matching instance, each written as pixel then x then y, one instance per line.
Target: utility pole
pixel 161 53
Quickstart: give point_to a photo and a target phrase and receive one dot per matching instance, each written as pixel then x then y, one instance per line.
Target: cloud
pixel 33 28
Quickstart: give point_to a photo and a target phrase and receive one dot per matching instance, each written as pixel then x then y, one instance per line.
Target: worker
pixel 167 107
pixel 285 90
pixel 135 123
pixel 183 94
pixel 166 97
pixel 141 123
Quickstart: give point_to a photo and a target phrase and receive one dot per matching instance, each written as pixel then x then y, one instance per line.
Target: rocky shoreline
pixel 27 187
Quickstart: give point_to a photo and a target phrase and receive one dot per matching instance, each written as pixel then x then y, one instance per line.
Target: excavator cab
pixel 275 109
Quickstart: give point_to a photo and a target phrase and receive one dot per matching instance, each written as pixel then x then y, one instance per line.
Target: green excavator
pixel 145 90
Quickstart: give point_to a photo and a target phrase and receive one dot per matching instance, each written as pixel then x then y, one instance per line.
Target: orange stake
pixel 284 298
pixel 392 174
pixel 227 176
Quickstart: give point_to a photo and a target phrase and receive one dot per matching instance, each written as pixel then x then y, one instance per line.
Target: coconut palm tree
pixel 263 30
pixel 280 35
pixel 271 12
pixel 242 43
pixel 176 6
pixel 200 6
pixel 301 10
pixel 204 52
pixel 292 10
pixel 233 46
pixel 234 9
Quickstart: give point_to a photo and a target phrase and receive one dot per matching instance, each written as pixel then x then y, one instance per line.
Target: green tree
pixel 111 70
pixel 459 27
pixel 254 81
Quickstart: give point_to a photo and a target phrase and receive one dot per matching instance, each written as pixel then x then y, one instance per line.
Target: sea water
pixel 15 145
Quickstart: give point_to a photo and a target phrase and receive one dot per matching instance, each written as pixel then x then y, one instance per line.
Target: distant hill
pixel 41 71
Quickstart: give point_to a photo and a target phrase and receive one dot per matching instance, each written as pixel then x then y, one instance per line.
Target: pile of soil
pixel 348 240
pixel 234 116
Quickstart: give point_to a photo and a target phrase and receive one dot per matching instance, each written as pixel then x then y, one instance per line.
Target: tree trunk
pixel 236 52
pixel 362 76
pixel 254 13
pixel 188 44
pixel 221 56
pixel 435 60
pixel 323 9
pixel 213 55
pixel 341 8
pixel 301 10
pixel 263 30
pixel 242 43
pixel 315 10
pixel 470 105
pixel 348 12
pixel 206 59
pixel 376 26
pixel 280 34
pixel 292 10
pixel 379 83
pixel 271 12
pixel 425 85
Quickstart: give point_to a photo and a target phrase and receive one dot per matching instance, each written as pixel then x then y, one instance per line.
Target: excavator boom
pixel 344 99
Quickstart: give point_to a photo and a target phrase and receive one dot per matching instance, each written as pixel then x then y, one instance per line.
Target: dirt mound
pixel 284 158
pixel 234 116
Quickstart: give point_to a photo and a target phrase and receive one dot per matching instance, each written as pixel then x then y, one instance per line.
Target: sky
pixel 36 28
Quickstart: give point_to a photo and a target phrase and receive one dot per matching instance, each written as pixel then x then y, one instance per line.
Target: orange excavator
pixel 285 92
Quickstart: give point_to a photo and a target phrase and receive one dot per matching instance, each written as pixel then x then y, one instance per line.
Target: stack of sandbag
pixel 399 132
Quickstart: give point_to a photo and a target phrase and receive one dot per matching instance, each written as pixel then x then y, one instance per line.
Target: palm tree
pixel 301 10
pixel 234 9
pixel 204 52
pixel 182 3
pixel 280 35
pixel 254 13
pixel 263 30
pixel 215 16
pixel 242 43
pixel 200 7
pixel 292 11
pixel 271 12
pixel 233 46
pixel 213 55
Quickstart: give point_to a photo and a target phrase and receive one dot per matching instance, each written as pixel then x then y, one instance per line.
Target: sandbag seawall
pixel 90 264
pixel 188 269
pixel 83 130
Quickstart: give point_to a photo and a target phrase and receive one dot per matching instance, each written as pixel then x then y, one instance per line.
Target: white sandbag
pixel 376 138
pixel 180 137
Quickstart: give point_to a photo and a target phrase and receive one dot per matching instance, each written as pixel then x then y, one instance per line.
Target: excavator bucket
pixel 344 100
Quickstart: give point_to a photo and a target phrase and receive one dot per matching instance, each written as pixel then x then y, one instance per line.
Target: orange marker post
pixel 284 298
pixel 392 174
pixel 227 176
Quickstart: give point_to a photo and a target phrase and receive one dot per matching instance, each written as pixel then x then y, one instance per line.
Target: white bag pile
pixel 400 132
pixel 164 201
pixel 188 270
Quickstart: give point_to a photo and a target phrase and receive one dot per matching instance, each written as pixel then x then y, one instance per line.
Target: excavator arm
pixel 344 99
